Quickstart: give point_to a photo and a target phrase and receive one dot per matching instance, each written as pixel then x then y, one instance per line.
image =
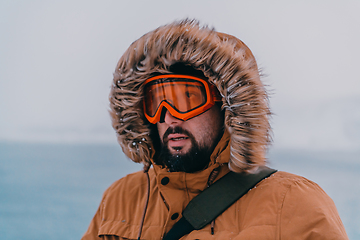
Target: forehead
pixel 174 78
pixel 174 82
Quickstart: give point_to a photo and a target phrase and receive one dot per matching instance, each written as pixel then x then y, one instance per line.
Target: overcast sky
pixel 57 59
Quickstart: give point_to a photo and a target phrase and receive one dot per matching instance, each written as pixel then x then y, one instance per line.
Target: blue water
pixel 52 191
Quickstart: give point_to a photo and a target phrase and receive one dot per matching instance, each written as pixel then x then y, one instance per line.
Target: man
pixel 189 101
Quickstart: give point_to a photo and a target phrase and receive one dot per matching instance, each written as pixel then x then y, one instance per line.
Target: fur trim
pixel 225 61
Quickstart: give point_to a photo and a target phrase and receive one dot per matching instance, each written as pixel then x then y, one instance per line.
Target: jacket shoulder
pixel 135 180
pixel 288 179
pixel 295 207
pixel 307 211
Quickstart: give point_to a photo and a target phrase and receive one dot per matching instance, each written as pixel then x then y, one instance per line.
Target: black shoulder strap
pixel 214 200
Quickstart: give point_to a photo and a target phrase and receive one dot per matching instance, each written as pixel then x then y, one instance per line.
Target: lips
pixel 177 140
pixel 177 137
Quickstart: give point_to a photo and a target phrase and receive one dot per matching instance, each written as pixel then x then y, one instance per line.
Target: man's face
pixel 187 145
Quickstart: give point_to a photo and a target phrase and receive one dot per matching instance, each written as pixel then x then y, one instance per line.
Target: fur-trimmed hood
pixel 225 61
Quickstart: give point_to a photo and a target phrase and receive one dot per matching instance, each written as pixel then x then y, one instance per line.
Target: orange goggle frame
pixel 183 96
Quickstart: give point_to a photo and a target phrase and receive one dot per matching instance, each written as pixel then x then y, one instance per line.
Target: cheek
pixel 212 125
pixel 207 129
pixel 211 132
pixel 161 130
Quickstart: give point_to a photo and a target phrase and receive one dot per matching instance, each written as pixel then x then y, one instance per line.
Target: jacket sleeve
pixel 93 230
pixel 309 213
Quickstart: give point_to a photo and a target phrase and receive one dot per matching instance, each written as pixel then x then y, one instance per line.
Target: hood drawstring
pixel 146 170
pixel 211 179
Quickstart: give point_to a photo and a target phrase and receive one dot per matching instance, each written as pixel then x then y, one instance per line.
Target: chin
pixel 179 150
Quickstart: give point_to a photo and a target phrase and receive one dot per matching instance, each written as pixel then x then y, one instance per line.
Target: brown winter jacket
pixel 283 206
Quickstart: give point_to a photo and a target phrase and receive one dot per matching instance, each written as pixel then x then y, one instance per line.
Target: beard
pixel 195 159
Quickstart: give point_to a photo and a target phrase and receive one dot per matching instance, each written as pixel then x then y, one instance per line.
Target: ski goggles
pixel 183 96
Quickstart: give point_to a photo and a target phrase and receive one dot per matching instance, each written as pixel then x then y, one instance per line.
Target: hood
pixel 227 63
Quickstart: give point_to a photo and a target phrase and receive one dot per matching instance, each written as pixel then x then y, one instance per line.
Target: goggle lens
pixel 184 96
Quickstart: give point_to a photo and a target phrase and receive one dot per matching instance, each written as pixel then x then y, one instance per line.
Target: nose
pixel 171 120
